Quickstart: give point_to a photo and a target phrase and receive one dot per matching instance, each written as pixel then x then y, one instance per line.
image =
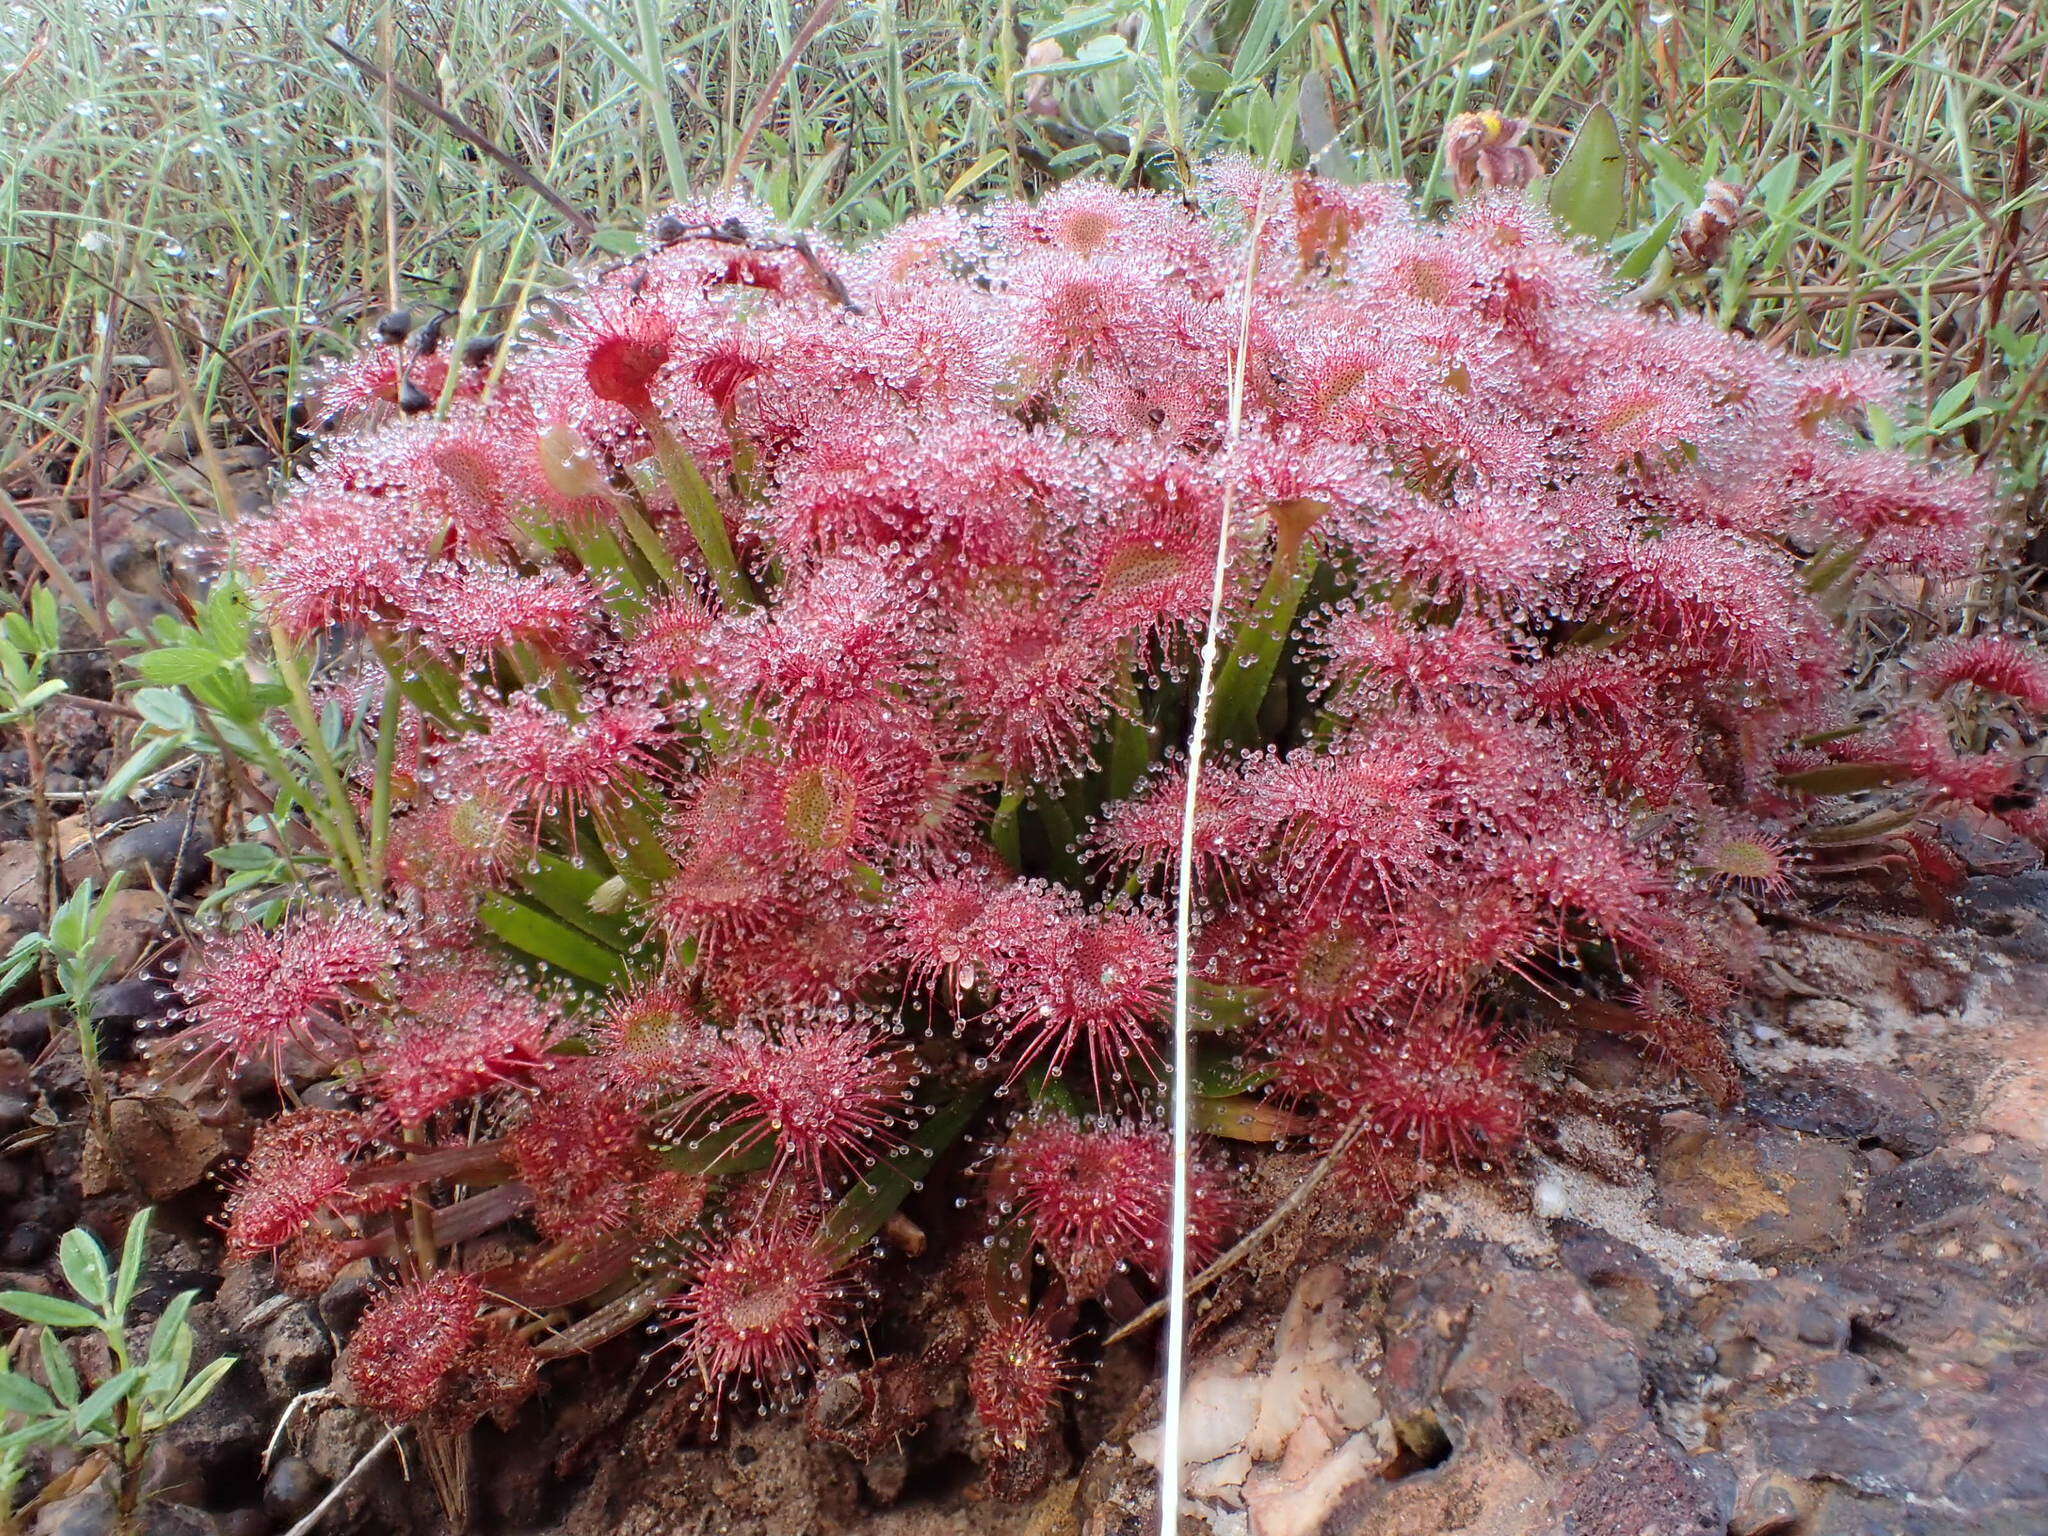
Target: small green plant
pixel 74 966
pixel 147 1390
pixel 206 693
pixel 29 637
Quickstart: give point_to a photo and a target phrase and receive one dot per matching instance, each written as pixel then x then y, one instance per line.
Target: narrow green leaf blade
pixel 859 1216
pixel 551 941
pixel 134 1249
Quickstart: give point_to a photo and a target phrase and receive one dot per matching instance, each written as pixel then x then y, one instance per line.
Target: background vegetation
pixel 218 188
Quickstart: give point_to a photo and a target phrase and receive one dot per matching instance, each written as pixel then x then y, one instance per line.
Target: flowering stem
pixel 707 523
pixel 1003 831
pixel 1059 832
pixel 1130 744
pixel 344 840
pixel 647 540
pixel 380 791
pixel 1255 656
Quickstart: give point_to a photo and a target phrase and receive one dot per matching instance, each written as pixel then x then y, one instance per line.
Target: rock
pixel 1864 1105
pixel 134 924
pixel 1828 1021
pixel 292 1488
pixel 1914 1194
pixel 18 875
pixel 1644 1484
pixel 90 1513
pixel 171 1473
pixel 341 1437
pixel 26 1030
pixel 245 1522
pixel 1779 1195
pixel 138 1000
pixel 2011 909
pixel 2015 1102
pixel 1773 1505
pixel 169 853
pixel 26 1243
pixel 293 1354
pixel 161 1144
pixel 342 1304
pixel 177 1520
pixel 225 1434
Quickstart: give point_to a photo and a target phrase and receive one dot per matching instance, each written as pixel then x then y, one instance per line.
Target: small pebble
pixel 292 1488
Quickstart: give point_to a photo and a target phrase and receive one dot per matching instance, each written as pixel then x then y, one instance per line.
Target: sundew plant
pixel 770 676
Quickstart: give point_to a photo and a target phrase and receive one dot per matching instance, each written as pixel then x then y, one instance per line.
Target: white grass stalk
pixel 1184 922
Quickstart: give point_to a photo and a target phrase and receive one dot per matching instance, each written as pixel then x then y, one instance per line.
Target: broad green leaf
pixel 550 940
pixel 1587 189
pixel 1244 1118
pixel 1224 1074
pixel 225 621
pixel 178 665
pixel 151 755
pixel 84 1263
pixel 570 891
pixel 244 856
pixel 33 1433
pixel 1214 1007
pixel 50 1311
pixel 1636 265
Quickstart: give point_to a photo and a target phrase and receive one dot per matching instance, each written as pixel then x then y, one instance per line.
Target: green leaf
pixel 32 1433
pixel 178 666
pixel 84 1263
pixel 1207 75
pixel 1244 1118
pixel 50 1311
pixel 243 856
pixel 568 890
pixel 1215 1007
pixel 871 1201
pixel 142 762
pixel 1846 778
pixel 134 1249
pixel 165 708
pixel 1636 265
pixel 20 1395
pixel 197 1390
pixel 170 1326
pixel 1587 189
pixel 550 940
pixel 224 621
pixel 103 1400
pixel 57 1368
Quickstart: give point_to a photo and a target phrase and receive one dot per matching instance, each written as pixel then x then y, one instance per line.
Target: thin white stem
pixel 313 1516
pixel 1184 923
